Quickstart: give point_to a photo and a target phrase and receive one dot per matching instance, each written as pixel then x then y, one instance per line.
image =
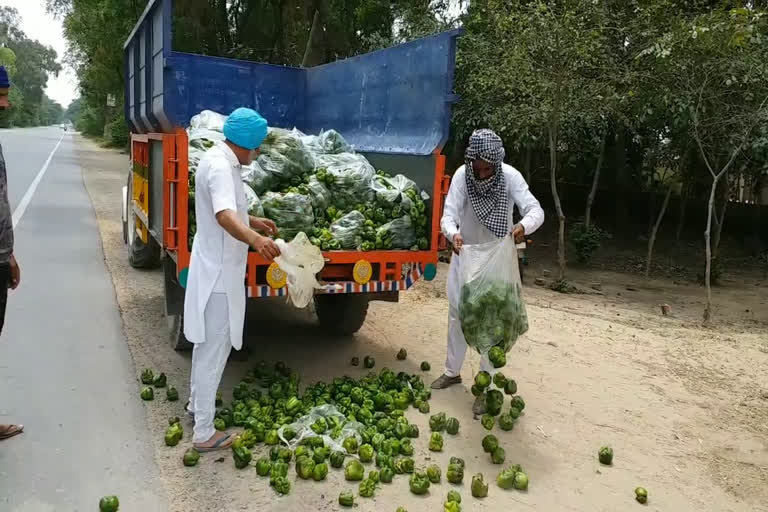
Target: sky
pixel 40 25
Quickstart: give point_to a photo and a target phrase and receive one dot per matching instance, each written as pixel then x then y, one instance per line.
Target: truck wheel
pixel 178 340
pixel 140 255
pixel 342 314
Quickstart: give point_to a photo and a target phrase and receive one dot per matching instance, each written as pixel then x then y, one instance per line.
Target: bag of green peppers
pixel 392 191
pixel 348 177
pixel 257 178
pixel 348 229
pixel 291 212
pixel 399 233
pixel 285 157
pixel 491 307
pixel 255 207
pixel 329 142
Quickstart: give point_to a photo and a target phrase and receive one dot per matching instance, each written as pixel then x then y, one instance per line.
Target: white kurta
pixel 218 260
pixel 459 217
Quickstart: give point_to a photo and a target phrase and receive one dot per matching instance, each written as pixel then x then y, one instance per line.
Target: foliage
pixel 585 240
pixel 273 31
pixel 29 63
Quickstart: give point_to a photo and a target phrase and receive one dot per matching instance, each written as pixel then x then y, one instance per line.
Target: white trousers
pixel 457 347
pixel 208 361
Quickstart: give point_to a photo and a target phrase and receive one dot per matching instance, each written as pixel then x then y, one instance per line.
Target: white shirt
pixel 218 261
pixel 460 217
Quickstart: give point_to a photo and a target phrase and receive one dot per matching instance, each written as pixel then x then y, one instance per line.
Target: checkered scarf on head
pixel 488 197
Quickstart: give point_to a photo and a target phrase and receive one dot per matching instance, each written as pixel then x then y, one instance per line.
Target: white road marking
pixel 22 206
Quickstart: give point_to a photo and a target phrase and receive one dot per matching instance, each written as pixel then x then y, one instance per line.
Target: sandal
pixel 7 431
pixel 221 444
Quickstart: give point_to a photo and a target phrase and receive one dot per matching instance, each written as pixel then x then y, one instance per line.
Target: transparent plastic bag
pixel 291 212
pixel 194 155
pixel 301 261
pixel 284 156
pixel 255 207
pixel 400 231
pixel 318 193
pixel 303 428
pixel 393 191
pixel 206 125
pixel 329 142
pixel 348 229
pixel 348 176
pixel 491 307
pixel 257 178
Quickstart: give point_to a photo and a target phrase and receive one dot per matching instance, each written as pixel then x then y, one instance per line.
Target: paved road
pixel 65 370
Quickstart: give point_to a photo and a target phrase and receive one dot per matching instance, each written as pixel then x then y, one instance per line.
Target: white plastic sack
pixel 391 191
pixel 301 261
pixel 347 229
pixel 257 178
pixel 303 430
pixel 491 307
pixel 207 125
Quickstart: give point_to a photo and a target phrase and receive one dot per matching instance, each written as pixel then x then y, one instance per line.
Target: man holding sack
pixel 478 213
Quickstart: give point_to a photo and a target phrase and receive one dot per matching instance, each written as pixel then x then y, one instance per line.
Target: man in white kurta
pixel 479 209
pixel 214 305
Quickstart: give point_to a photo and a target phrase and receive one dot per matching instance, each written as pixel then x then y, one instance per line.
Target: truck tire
pixel 140 255
pixel 179 342
pixel 342 314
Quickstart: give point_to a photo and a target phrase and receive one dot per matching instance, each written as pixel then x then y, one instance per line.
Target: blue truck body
pixel 397 100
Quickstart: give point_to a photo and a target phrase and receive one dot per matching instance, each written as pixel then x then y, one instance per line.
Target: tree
pixel 29 64
pixel 74 111
pixel 715 82
pixel 664 170
pixel 558 53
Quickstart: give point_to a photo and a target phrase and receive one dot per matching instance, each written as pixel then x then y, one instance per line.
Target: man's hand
pixel 458 243
pixel 518 233
pixel 266 247
pixel 264 225
pixel 15 273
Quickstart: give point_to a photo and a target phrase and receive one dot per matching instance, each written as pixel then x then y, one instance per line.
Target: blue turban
pixel 4 81
pixel 246 128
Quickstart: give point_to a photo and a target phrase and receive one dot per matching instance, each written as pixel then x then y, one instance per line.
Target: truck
pixel 392 105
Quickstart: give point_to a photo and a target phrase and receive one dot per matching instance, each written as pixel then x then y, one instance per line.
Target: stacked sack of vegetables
pixel 317 185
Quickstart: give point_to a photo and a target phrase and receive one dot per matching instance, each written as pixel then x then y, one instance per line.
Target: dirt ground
pixel 684 407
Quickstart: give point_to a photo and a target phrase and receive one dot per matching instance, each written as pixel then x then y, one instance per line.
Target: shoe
pixel 445 381
pixel 478 408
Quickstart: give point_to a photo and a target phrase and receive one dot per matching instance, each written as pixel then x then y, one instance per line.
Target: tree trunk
pixel 719 220
pixel 708 248
pixel 651 211
pixel 595 180
pixel 556 198
pixel 311 51
pixel 655 230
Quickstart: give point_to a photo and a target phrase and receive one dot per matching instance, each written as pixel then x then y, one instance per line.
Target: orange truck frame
pixel 155 198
